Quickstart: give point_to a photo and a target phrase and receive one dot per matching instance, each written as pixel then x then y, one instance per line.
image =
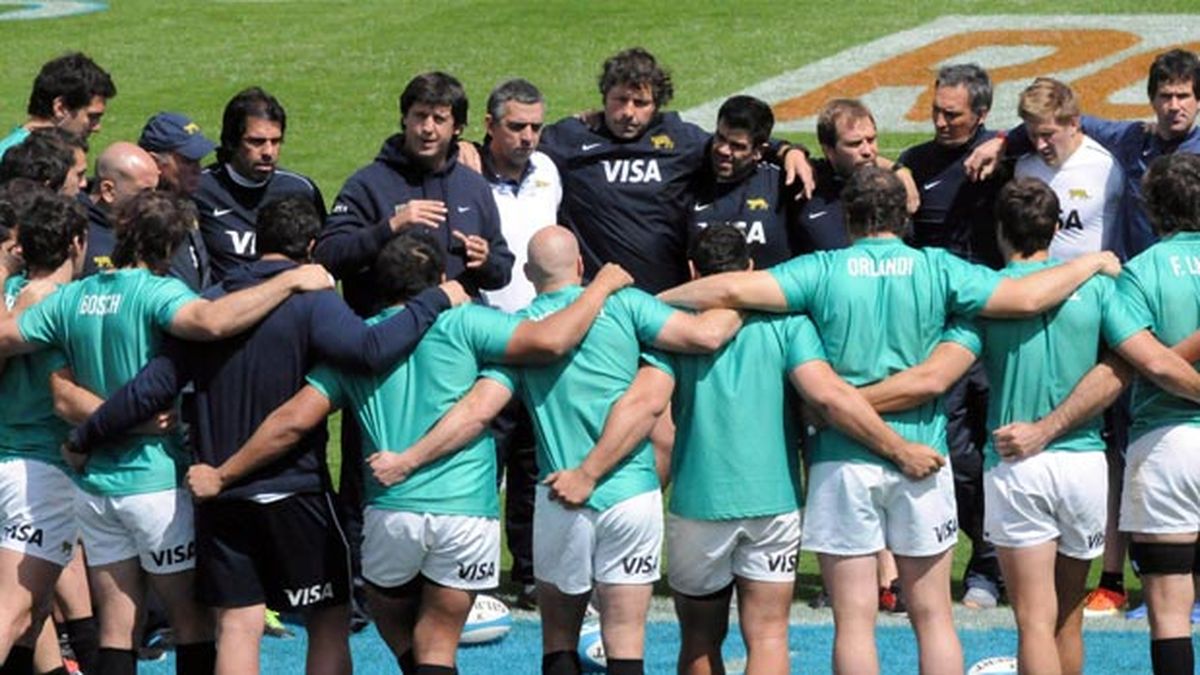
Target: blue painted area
pixel 50 9
pixel 520 652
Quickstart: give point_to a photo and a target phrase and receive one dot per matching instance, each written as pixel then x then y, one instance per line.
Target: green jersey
pixel 29 429
pixel 109 325
pixel 1160 287
pixel 880 307
pixel 1033 364
pixel 395 409
pixel 569 400
pixel 736 426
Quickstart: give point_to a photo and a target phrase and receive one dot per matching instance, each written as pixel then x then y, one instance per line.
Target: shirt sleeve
pixel 507 376
pixel 965 333
pixel 798 278
pixel 169 296
pixel 664 361
pixel 488 331
pixel 325 379
pixel 968 286
pixel 1132 296
pixel 803 341
pixel 1119 320
pixel 340 337
pixel 354 232
pixel 1108 133
pixel 154 388
pixel 648 313
pixel 43 322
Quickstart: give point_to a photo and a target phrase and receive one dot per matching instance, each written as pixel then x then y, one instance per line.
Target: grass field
pixel 338 66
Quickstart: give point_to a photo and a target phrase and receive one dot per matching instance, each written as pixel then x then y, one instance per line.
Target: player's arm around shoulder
pixel 206 320
pixel 556 335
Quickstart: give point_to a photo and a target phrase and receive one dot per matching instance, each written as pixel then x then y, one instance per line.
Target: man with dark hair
pixel 860 500
pixel 432 534
pixel 626 179
pixel 738 187
pixel 417 181
pixel 958 215
pixel 70 92
pixel 245 176
pixel 133 519
pixel 37 513
pixel 53 157
pixel 238 383
pixel 527 190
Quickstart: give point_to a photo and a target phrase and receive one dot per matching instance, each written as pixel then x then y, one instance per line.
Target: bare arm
pixel 273 439
pixel 925 381
pixel 736 290
pixel 629 421
pixel 702 333
pixel 847 410
pixel 459 426
pixel 1162 366
pixel 1033 294
pixel 556 335
pixel 234 313
pixel 72 403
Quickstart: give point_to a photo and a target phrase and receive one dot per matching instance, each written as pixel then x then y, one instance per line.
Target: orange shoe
pixel 1104 602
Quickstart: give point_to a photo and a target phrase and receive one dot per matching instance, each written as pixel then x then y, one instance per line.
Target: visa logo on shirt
pixel 632 171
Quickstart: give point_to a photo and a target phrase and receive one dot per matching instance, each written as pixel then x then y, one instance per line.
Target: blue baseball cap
pixel 173 132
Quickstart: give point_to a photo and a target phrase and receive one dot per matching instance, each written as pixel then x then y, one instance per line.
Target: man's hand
pixel 572 487
pixel 204 482
pixel 390 467
pixel 919 461
pixel 1019 440
pixel 1110 264
pixel 476 247
pixel 160 424
pixel 796 165
pixel 72 456
pixel 612 277
pixel 591 118
pixel 984 159
pixel 910 190
pixel 468 156
pixel 310 277
pixel 427 212
pixel 456 292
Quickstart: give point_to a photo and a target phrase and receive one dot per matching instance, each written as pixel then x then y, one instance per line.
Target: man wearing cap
pixel 177 146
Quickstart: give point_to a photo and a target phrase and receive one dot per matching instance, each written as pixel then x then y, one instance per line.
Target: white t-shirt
pixel 524 209
pixel 1089 186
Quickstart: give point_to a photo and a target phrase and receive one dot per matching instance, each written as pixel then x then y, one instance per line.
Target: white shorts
pixel 706 555
pixel 619 545
pixel 1162 482
pixel 39 522
pixel 1052 495
pixel 155 527
pixel 858 509
pixel 460 552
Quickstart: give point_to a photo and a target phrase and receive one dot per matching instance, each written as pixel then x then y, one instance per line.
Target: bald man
pixel 598 515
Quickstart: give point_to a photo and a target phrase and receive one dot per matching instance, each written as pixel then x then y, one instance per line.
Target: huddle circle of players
pixel 850 306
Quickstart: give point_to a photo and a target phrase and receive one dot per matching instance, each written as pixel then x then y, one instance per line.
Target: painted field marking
pixel 50 9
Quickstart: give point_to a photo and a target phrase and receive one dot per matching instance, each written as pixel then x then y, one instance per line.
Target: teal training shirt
pixel 397 408
pixel 880 307
pixel 1160 287
pixel 109 325
pixel 569 400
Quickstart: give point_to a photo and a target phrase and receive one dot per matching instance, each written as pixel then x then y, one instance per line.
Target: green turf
pixel 338 66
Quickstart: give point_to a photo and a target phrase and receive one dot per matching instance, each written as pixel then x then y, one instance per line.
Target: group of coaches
pixel 626 181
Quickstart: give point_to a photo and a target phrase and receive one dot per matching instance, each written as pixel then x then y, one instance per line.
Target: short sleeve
pixel 802 340
pixel 1132 295
pixel 43 322
pixel 798 278
pixel 648 313
pixel 329 382
pixel 964 333
pixel 509 378
pixel 661 360
pixel 169 296
pixel 488 331
pixel 968 286
pixel 1118 320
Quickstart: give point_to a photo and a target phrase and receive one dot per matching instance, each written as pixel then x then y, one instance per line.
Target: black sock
pixel 427 669
pixel 61 670
pixel 625 666
pixel 19 661
pixel 408 663
pixel 198 658
pixel 1172 656
pixel 111 661
pixel 1113 581
pixel 84 637
pixel 561 663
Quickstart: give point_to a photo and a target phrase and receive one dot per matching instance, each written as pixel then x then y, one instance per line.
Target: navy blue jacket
pixel 956 214
pixel 820 226
pixel 189 264
pixel 357 227
pixel 240 381
pixel 759 205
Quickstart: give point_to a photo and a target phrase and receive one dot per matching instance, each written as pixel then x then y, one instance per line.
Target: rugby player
pixel 246 539
pixel 734 515
pixel 53 157
pixel 432 536
pixel 36 505
pixel 135 522
pixel 881 306
pixel 625 182
pixel 736 186
pixel 246 177
pixel 70 92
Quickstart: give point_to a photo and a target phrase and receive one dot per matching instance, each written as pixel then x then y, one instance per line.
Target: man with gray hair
pixel 528 190
pixel 956 214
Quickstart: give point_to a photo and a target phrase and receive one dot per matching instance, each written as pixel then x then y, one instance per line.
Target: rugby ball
pixel 591 648
pixel 994 665
pixel 489 620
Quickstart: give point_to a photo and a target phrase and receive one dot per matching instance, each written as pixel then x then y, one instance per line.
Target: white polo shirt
pixel 524 208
